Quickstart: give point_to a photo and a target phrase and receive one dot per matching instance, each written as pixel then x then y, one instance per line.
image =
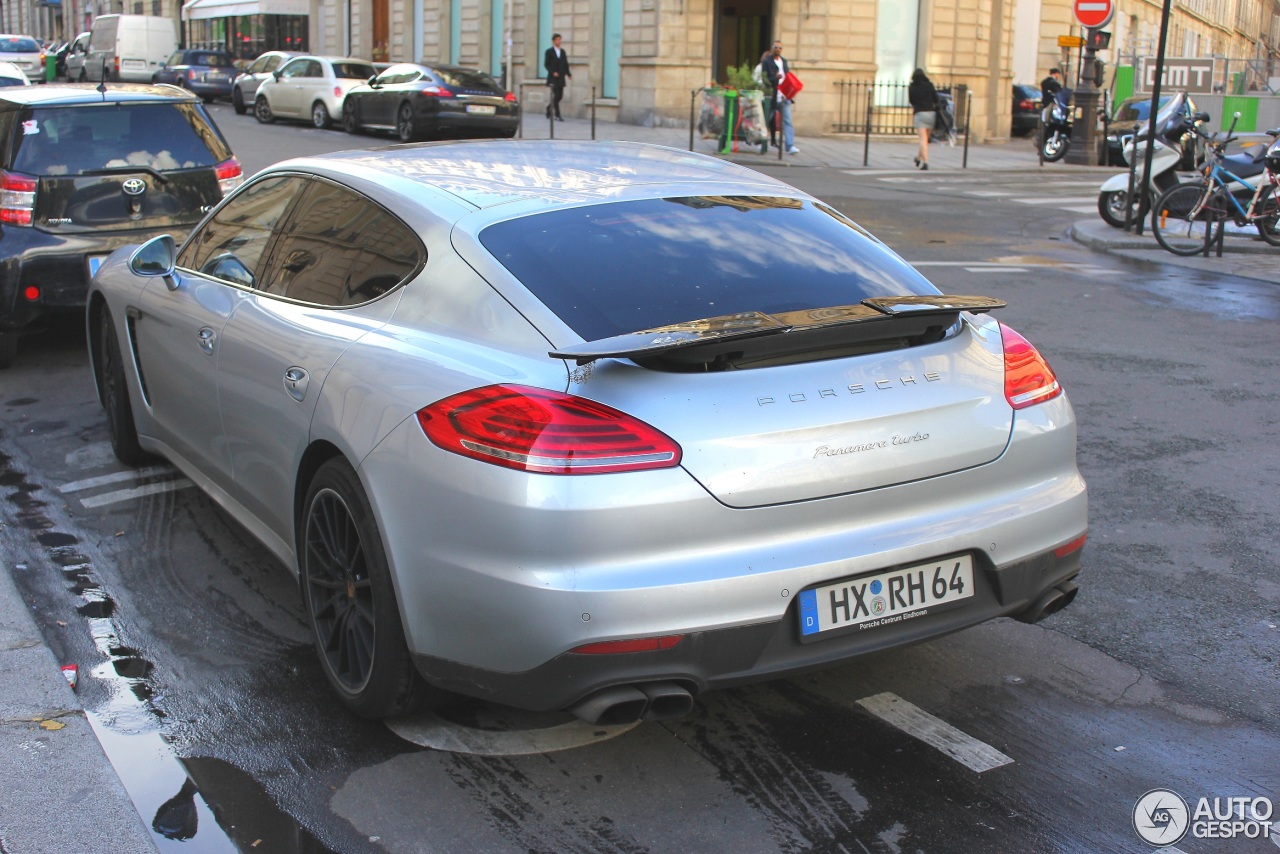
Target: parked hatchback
pixel 208 73
pixel 310 87
pixel 24 52
pixel 415 101
pixel 245 87
pixel 82 172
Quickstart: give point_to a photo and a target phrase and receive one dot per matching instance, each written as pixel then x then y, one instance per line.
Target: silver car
pixel 589 426
pixel 310 88
pixel 24 52
pixel 245 87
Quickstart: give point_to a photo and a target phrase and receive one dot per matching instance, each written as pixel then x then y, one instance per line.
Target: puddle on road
pixel 202 802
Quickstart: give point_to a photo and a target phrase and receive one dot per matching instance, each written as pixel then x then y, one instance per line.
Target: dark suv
pixel 83 172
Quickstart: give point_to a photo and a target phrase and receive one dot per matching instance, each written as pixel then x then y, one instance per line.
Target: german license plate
pixel 95 261
pixel 481 109
pixel 887 597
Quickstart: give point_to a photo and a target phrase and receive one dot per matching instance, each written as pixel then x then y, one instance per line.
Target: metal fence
pixel 865 106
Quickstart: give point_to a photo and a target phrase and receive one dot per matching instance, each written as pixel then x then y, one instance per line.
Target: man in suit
pixel 774 68
pixel 556 61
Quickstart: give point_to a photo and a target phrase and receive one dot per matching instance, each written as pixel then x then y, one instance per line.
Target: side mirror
pixel 157 257
pixel 276 75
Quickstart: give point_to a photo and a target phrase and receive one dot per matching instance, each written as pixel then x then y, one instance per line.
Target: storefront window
pixel 246 36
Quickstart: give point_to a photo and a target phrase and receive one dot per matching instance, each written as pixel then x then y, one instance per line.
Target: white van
pixel 129 47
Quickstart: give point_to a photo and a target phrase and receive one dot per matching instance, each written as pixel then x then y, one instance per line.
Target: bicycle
pixel 1185 217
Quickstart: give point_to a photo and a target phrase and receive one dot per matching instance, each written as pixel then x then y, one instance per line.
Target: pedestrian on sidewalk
pixel 924 105
pixel 775 71
pixel 556 62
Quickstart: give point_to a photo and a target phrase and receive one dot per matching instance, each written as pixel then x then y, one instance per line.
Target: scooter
pixel 1056 118
pixel 1172 127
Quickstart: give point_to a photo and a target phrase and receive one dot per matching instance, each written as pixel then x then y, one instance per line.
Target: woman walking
pixel 924 103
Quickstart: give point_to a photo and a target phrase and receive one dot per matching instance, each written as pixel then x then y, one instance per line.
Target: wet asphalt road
pixel 1163 673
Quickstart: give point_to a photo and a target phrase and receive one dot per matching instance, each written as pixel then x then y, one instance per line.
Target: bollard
pixel 693 99
pixel 551 118
pixel 968 108
pixel 593 114
pixel 866 135
pixel 520 117
pixel 777 124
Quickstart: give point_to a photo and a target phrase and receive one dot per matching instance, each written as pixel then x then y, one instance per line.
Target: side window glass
pixel 340 249
pixel 231 245
pixel 176 59
pixel 259 66
pixel 294 69
pixel 314 69
pixel 272 63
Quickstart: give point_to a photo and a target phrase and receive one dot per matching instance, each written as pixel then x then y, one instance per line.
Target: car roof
pixel 549 173
pixel 71 94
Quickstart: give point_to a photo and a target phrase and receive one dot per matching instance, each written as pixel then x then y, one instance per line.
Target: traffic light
pixel 1097 39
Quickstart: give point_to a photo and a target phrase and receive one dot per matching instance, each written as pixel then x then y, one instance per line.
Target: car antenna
pixel 102 84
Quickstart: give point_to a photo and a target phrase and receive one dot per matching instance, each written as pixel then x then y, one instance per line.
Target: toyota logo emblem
pixel 134 187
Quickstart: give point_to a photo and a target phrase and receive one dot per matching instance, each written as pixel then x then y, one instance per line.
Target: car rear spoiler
pixel 752 324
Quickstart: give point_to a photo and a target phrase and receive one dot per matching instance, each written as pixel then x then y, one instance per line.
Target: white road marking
pixel 991 269
pixel 1059 200
pixel 136 492
pixel 114 477
pixel 914 721
pixel 989 193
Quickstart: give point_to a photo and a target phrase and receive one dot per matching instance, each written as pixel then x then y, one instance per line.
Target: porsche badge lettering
pixel 854 388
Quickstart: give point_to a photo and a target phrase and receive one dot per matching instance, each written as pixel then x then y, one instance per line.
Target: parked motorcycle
pixel 1056 133
pixel 1174 128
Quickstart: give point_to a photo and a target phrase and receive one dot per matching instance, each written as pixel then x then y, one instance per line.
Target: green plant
pixel 740 77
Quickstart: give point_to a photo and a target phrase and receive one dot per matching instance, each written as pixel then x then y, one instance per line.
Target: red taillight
pixel 510 96
pixel 31 293
pixel 337 91
pixel 535 430
pixel 435 92
pixel 1028 379
pixel 1027 104
pixel 230 175
pixel 1073 546
pixel 633 645
pixel 191 74
pixel 17 198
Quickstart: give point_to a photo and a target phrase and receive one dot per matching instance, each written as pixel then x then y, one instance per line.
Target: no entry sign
pixel 1094 13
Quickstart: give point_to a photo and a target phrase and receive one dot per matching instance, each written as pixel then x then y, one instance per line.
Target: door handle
pixel 207 337
pixel 295 383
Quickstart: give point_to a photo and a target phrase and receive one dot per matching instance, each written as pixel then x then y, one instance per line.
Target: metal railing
pixel 865 106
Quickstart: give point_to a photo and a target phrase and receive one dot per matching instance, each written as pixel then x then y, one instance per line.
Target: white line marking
pixel 136 492
pixel 989 193
pixel 1058 200
pixel 114 477
pixel 965 749
pixel 987 269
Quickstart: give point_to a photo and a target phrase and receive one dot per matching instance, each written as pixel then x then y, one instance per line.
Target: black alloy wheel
pixel 115 396
pixel 351 118
pixel 350 600
pixel 262 110
pixel 237 102
pixel 404 123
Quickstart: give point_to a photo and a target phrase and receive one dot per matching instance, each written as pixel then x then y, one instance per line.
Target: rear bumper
pixel 436 118
pixel 209 90
pixel 56 264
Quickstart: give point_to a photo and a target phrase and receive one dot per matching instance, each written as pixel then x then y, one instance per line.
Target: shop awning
pixel 199 10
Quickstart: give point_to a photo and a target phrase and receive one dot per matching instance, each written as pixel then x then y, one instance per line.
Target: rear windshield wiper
pixel 114 170
pixel 753 324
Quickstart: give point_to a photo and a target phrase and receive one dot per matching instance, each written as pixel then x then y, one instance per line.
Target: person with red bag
pixel 782 92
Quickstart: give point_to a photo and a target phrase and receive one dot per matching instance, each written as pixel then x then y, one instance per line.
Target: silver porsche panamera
pixel 589 426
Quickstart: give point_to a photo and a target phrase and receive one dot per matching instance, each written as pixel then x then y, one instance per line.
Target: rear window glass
pixel 12 45
pixel 75 140
pixel 212 59
pixel 616 268
pixel 353 70
pixel 466 78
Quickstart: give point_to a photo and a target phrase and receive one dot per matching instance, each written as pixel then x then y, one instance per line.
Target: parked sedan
pixel 414 102
pixel 24 52
pixel 310 87
pixel 1026 109
pixel 534 422
pixel 207 73
pixel 244 89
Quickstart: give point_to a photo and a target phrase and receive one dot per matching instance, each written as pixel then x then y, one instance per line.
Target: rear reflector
pixel 633 645
pixel 31 293
pixel 1068 548
pixel 17 198
pixel 1028 379
pixel 535 430
pixel 230 175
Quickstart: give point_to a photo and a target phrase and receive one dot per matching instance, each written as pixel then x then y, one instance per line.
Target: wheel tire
pixel 115 396
pixel 1179 228
pixel 320 116
pixel 262 110
pixel 350 601
pixel 1055 148
pixel 9 347
pixel 237 102
pixel 351 119
pixel 1111 206
pixel 404 123
pixel 1269 223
